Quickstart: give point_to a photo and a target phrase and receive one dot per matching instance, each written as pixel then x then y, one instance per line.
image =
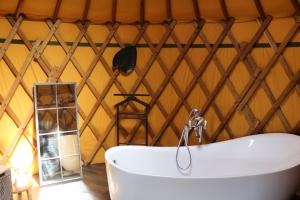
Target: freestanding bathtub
pixel 258 167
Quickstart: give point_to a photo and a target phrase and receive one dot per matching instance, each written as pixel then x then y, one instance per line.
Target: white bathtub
pixel 260 167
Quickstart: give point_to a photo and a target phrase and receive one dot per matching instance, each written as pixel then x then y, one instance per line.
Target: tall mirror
pixel 57 132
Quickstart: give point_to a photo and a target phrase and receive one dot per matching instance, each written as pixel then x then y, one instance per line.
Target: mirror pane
pixel 46 96
pixel 48 146
pixel 67 119
pixel 70 166
pixel 51 170
pixel 66 95
pixel 47 121
pixel 68 144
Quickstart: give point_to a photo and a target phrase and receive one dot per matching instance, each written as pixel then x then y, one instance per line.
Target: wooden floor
pixel 93 186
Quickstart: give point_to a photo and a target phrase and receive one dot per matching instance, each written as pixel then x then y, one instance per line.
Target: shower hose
pixel 197 123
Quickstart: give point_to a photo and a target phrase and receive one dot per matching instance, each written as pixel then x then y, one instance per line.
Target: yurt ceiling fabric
pixel 153 11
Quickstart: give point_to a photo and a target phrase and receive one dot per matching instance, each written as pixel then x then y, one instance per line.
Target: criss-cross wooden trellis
pixel 242 99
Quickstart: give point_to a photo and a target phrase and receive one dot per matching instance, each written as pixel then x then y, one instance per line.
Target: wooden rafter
pixel 224 9
pixel 196 9
pixel 114 11
pixel 296 6
pixel 56 10
pixel 260 9
pixel 86 9
pixel 142 11
pixel 18 8
pixel 169 10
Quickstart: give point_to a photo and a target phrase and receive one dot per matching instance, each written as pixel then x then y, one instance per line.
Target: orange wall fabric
pixel 19 143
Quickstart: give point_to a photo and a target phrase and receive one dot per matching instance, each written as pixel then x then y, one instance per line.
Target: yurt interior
pixel 150 99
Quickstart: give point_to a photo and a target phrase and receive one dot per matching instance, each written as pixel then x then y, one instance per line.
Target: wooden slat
pixel 70 53
pixel 100 101
pixel 44 64
pixel 6 101
pixel 18 79
pixel 282 60
pixel 201 70
pixel 270 65
pixel 234 62
pixel 278 102
pixel 81 72
pixel 168 78
pixel 255 38
pixel 254 72
pixel 10 36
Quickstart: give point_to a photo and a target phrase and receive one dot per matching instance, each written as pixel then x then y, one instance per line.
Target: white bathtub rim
pixel 270 172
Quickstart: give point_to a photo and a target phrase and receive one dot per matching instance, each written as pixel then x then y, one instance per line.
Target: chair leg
pixel 28 194
pixel 20 196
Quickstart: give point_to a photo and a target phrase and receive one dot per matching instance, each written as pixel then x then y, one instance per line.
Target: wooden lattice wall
pixel 244 77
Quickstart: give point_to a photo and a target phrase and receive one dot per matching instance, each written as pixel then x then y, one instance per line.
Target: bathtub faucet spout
pixel 198 123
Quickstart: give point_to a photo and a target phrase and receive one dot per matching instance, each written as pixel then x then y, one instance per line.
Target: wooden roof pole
pixel 296 6
pixel 169 10
pixel 56 10
pixel 18 8
pixel 260 9
pixel 196 9
pixel 224 9
pixel 86 10
pixel 114 11
pixel 142 11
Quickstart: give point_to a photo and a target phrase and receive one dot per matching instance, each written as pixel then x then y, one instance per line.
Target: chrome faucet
pixel 196 122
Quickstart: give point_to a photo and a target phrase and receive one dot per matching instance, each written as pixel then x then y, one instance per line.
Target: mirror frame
pixel 57 133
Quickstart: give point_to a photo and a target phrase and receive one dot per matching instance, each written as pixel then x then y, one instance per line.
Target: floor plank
pixel 93 186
